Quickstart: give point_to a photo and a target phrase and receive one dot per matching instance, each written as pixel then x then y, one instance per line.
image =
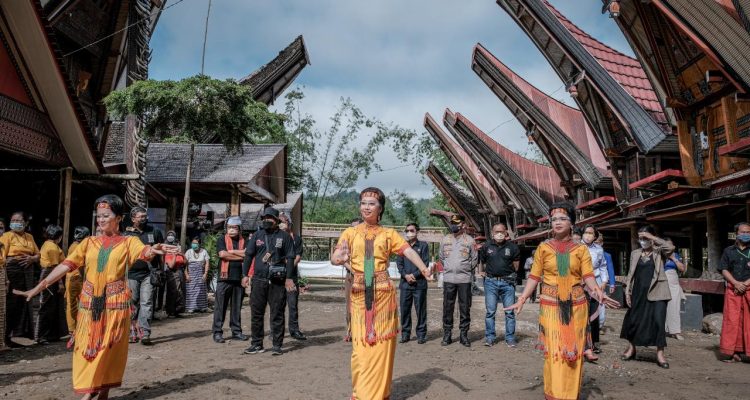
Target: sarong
pixel 735 326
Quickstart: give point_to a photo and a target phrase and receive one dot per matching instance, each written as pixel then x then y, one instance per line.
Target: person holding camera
pixel 273 251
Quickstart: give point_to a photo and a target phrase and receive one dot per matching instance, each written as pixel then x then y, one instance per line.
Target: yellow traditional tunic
pixel 100 338
pixel 3 290
pixel 563 313
pixel 15 244
pixel 73 286
pixel 51 255
pixel 374 331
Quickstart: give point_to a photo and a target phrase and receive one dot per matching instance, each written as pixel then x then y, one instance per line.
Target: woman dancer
pixel 374 322
pixel 560 264
pixel 101 337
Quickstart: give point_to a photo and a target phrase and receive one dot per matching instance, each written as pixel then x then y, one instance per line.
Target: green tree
pixel 185 111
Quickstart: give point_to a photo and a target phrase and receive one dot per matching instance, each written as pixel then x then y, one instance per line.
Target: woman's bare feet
pixel 590 356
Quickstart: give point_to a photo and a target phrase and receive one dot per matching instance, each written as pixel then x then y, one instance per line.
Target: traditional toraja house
pixel 459 198
pixel 612 92
pixel 527 186
pixel 695 53
pixel 560 131
pixel 57 61
pixel 490 204
pixel 270 80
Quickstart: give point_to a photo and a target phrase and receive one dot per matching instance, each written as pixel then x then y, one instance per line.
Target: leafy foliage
pixel 187 110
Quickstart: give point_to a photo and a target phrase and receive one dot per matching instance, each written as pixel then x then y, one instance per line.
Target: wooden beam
pixel 235 201
pixel 67 179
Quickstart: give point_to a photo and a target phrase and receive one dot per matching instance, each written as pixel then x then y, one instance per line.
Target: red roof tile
pixel 542 178
pixel 570 120
pixel 624 69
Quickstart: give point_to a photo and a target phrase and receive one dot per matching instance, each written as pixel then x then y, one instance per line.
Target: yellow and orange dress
pixel 73 286
pixel 3 291
pixel 374 311
pixel 563 314
pixel 101 337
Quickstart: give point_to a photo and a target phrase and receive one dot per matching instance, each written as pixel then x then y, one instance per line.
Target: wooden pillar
pixel 713 231
pixel 235 202
pixel 330 248
pixel 67 185
pixel 172 213
pixel 695 264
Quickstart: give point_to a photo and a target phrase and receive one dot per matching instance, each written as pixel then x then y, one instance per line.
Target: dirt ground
pixel 184 363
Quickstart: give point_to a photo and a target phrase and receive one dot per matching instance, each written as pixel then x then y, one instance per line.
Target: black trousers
pixel 51 312
pixel 19 313
pixel 450 292
pixel 175 303
pixel 292 300
pixel 419 298
pixel 226 291
pixel 273 295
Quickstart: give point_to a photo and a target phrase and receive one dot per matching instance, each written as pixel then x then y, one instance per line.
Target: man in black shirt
pixel 413 287
pixel 273 252
pixel 231 249
pixel 292 296
pixel 498 263
pixel 139 275
pixel 735 267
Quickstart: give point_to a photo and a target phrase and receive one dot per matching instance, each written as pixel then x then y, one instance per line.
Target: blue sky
pixel 395 59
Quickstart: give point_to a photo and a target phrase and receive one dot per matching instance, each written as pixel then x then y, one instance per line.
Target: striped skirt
pixel 196 299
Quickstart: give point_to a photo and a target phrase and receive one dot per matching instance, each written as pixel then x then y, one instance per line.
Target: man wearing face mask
pixel 139 276
pixel 231 249
pixel 413 287
pixel 499 259
pixel 735 267
pixel 273 251
pixel 459 257
pixel 176 276
pixel 292 296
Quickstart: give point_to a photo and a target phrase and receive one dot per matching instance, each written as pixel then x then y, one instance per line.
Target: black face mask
pixel 266 224
pixel 454 228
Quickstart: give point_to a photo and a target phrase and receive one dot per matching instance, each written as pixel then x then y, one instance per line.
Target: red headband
pixel 556 210
pixel 103 205
pixel 371 194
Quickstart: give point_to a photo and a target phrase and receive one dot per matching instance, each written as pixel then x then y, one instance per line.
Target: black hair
pixel 568 207
pixel 500 223
pixel 137 209
pixel 21 213
pixel 197 239
pixel 80 233
pixel 114 201
pixel 53 232
pixel 381 198
pixel 414 224
pixel 587 226
pixel 576 231
pixel 739 224
pixel 648 229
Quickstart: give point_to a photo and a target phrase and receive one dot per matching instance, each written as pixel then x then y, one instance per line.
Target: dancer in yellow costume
pixel 374 312
pixel 103 322
pixel 560 265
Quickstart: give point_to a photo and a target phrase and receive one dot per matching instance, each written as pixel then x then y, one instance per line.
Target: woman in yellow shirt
pixel 374 312
pixel 101 336
pixel 21 254
pixel 560 265
pixel 74 281
pixel 49 318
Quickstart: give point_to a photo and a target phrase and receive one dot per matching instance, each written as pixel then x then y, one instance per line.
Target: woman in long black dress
pixel 647 295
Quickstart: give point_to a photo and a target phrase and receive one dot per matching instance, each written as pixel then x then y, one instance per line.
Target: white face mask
pixel 411 235
pixel 499 237
pixel 645 244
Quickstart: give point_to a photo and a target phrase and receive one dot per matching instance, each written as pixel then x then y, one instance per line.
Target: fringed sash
pixel 224 274
pixel 95 311
pixel 565 283
pixel 370 291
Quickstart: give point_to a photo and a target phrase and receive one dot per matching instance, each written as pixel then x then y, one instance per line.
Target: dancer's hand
pixel 517 306
pixel 29 294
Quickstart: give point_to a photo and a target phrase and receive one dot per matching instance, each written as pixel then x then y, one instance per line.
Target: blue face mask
pixel 16 226
pixel 195 246
pixel 744 237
